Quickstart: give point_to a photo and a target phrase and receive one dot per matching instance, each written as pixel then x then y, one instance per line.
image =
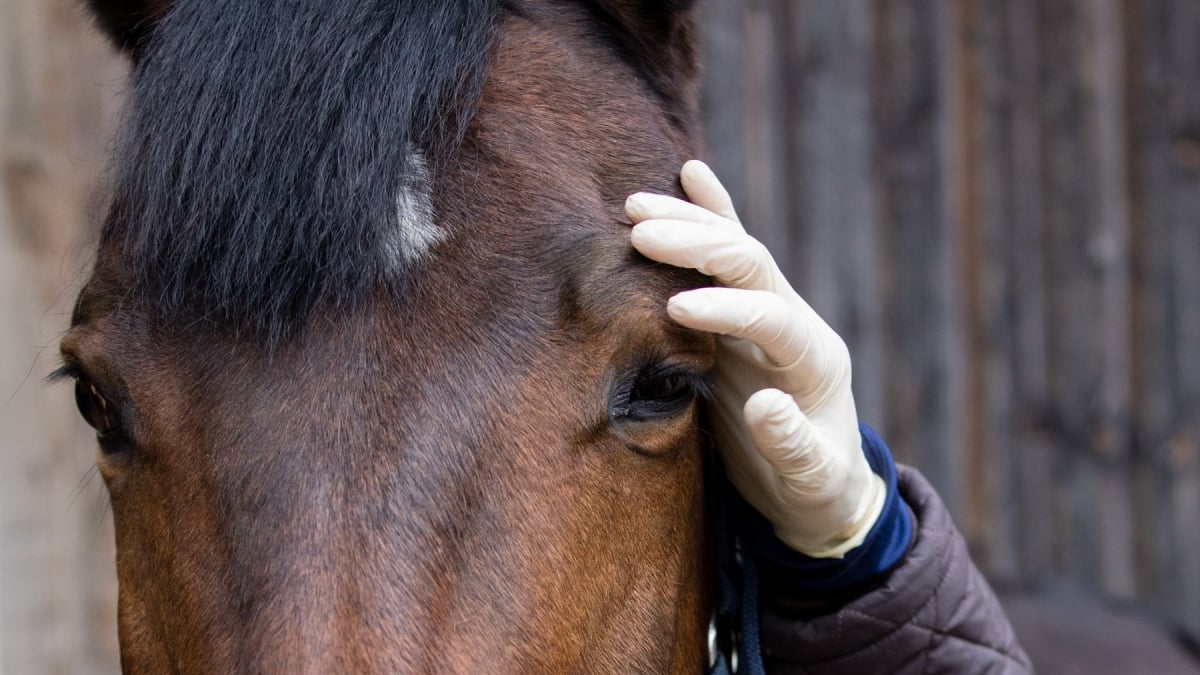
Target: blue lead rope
pixel 751 662
pixel 737 645
pixel 745 654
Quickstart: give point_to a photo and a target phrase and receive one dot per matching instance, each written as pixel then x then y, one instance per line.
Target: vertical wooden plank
pixel 965 232
pixel 957 212
pixel 1104 75
pixel 1079 257
pixel 721 96
pixel 1165 115
pixel 1153 402
pixel 985 255
pixel 1036 455
pixel 1058 114
pixel 916 281
pixel 743 109
pixel 57 582
pixel 766 210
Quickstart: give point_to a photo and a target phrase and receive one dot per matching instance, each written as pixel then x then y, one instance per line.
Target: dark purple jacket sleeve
pixel 933 613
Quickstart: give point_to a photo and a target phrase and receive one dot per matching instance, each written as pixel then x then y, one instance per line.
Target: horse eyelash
pixel 67 371
pixel 704 386
pixel 700 383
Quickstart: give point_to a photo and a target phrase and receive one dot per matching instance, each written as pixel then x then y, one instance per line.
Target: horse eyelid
pixel 71 369
pixel 699 382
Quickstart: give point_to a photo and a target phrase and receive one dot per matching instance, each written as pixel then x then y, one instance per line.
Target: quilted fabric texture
pixel 932 614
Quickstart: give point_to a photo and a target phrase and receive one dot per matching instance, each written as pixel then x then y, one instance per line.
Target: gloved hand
pixel 784 414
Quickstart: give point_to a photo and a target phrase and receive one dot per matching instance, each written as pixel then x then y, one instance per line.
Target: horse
pixel 378 383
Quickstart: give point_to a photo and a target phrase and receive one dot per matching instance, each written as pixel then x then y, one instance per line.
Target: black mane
pixel 267 143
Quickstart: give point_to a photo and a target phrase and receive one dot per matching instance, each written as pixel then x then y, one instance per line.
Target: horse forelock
pixel 279 153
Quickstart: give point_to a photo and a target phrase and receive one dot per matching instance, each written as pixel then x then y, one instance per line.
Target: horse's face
pixel 492 466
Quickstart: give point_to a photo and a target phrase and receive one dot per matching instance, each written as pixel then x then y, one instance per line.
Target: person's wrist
pixel 872 491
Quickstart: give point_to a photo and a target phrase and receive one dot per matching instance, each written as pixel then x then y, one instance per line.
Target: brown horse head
pixel 379 384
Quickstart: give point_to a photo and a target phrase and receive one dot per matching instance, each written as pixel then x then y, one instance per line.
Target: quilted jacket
pixel 934 613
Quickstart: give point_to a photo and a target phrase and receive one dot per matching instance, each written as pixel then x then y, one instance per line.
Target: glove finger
pixel 644 206
pixel 704 188
pixel 761 317
pixel 730 256
pixel 787 440
pixel 801 353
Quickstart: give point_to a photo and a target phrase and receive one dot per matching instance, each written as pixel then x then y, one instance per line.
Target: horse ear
pixel 129 23
pixel 661 36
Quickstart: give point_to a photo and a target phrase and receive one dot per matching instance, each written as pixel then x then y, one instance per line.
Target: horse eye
pixel 658 393
pixel 95 409
pixel 101 415
pixel 660 389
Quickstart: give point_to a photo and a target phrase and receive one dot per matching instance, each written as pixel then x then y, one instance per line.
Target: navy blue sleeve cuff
pixel 884 547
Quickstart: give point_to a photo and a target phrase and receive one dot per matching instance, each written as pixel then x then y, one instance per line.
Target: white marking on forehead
pixel 416 233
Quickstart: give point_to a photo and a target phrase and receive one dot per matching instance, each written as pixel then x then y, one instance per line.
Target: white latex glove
pixel 784 414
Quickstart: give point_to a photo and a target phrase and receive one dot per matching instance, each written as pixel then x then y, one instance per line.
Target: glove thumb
pixel 787 440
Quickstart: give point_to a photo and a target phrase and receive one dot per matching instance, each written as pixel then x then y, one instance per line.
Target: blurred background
pixel 996 202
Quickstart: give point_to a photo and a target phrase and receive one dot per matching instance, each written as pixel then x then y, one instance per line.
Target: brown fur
pixel 433 483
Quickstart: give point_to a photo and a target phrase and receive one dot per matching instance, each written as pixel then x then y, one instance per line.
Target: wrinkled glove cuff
pixel 785 569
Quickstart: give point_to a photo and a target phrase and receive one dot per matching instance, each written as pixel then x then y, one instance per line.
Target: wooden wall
pixel 998 204
pixel 995 201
